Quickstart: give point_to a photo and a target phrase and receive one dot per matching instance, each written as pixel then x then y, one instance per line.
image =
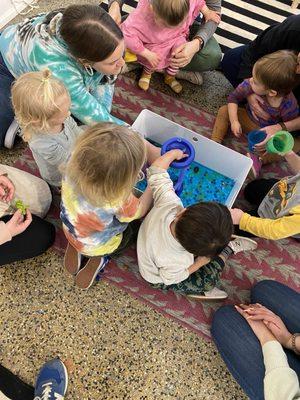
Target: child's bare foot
pixel 173 83
pixel 144 81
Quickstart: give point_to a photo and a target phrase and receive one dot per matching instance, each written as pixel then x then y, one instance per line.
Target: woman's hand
pixel 259 328
pixel 184 53
pixel 236 129
pixel 272 322
pixel 7 189
pixel 212 16
pixel 256 102
pixel 115 12
pixel 18 224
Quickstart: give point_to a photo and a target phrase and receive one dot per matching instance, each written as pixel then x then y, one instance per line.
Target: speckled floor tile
pixel 121 348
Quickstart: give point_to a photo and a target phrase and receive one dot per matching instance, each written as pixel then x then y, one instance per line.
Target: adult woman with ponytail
pixel 81 45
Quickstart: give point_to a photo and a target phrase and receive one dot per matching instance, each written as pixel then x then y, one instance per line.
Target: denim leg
pixel 231 64
pixel 240 349
pixel 284 302
pixel 6 111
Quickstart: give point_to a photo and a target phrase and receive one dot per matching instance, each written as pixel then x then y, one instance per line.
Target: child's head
pixel 204 229
pixel 40 102
pixel 276 74
pixel 105 163
pixel 170 12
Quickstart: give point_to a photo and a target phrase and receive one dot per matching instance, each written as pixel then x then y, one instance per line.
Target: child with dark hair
pixel 185 249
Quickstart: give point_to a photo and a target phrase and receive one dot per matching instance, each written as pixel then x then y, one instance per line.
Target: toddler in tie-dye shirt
pixel 97 201
pixel 274 76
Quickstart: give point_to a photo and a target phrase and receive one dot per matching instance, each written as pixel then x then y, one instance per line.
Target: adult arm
pixel 280 382
pixel 294 161
pixel 5 235
pixel 207 29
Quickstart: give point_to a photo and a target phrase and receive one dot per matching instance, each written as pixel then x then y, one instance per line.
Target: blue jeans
pixel 6 110
pixel 231 63
pixel 239 347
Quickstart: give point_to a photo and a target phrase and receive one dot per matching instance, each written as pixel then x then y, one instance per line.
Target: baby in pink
pixel 156 28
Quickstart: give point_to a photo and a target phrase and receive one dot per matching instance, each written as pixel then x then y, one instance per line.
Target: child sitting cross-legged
pixel 185 249
pixel 98 208
pixel 276 213
pixel 274 76
pixel 42 107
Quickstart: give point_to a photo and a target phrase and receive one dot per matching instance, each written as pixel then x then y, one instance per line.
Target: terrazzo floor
pixel 121 349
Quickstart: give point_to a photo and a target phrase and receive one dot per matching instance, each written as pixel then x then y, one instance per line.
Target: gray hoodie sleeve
pixel 207 29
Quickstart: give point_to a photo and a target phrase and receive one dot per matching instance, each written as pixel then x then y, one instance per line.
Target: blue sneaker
pixel 52 381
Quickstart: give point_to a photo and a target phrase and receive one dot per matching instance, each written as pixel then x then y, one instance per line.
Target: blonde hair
pixel 105 163
pixel 34 98
pixel 173 12
pixel 278 71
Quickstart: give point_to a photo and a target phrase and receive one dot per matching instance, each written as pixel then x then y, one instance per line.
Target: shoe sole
pixel 67 377
pixel 72 269
pixel 91 281
pixel 206 298
pixel 10 135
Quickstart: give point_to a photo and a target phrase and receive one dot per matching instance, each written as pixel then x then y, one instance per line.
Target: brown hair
pixel 204 229
pixel 173 12
pixel 105 163
pixel 278 71
pixel 89 32
pixel 34 98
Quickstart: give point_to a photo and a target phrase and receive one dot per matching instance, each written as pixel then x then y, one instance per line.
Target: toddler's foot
pixel 173 83
pixel 86 276
pixel 190 76
pixel 144 81
pixel 213 294
pixel 256 166
pixel 52 381
pixel 72 260
pixel 240 243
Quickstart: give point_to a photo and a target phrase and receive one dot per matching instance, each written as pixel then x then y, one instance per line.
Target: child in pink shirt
pixel 156 28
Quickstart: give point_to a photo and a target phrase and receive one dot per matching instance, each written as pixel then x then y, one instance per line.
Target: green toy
pixel 19 205
pixel 281 143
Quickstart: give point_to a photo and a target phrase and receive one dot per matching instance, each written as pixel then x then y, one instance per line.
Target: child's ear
pixel 273 93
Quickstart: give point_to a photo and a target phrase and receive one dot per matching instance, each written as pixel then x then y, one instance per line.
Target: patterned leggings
pixel 200 281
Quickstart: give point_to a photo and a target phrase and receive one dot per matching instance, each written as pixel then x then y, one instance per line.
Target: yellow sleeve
pixel 272 228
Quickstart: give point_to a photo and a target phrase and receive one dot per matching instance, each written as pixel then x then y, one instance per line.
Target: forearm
pixel 145 201
pixel 294 161
pixel 233 112
pixel 293 125
pixel 207 29
pixel 199 262
pixel 120 2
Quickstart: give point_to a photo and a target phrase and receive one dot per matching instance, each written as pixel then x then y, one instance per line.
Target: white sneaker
pixel 11 135
pixel 241 243
pixel 190 76
pixel 213 294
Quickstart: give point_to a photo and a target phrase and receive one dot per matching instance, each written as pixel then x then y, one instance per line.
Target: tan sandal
pixel 144 81
pixel 173 83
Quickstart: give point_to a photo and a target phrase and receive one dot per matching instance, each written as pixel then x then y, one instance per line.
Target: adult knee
pixel 261 290
pixel 222 320
pixel 214 58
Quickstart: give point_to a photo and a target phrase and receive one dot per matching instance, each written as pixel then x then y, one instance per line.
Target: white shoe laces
pixel 46 395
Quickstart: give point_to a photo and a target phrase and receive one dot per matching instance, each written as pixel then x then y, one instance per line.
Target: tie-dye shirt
pixel 95 231
pixel 35 44
pixel 287 110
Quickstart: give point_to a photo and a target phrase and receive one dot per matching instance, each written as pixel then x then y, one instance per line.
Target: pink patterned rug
pixel 278 260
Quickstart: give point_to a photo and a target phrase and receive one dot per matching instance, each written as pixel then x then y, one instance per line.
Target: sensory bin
pixel 200 184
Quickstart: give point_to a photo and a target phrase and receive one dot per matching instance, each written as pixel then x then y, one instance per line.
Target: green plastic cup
pixel 281 143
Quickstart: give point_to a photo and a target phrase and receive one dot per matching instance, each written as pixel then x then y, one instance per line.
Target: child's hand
pixel 236 215
pixel 211 15
pixel 236 129
pixel 7 189
pixel 152 57
pixel 17 224
pixel 165 160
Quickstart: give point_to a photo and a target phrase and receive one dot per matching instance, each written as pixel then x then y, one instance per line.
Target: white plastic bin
pixel 208 153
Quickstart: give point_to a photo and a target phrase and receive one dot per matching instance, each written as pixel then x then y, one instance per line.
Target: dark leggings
pixel 13 387
pixel 254 193
pixel 35 240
